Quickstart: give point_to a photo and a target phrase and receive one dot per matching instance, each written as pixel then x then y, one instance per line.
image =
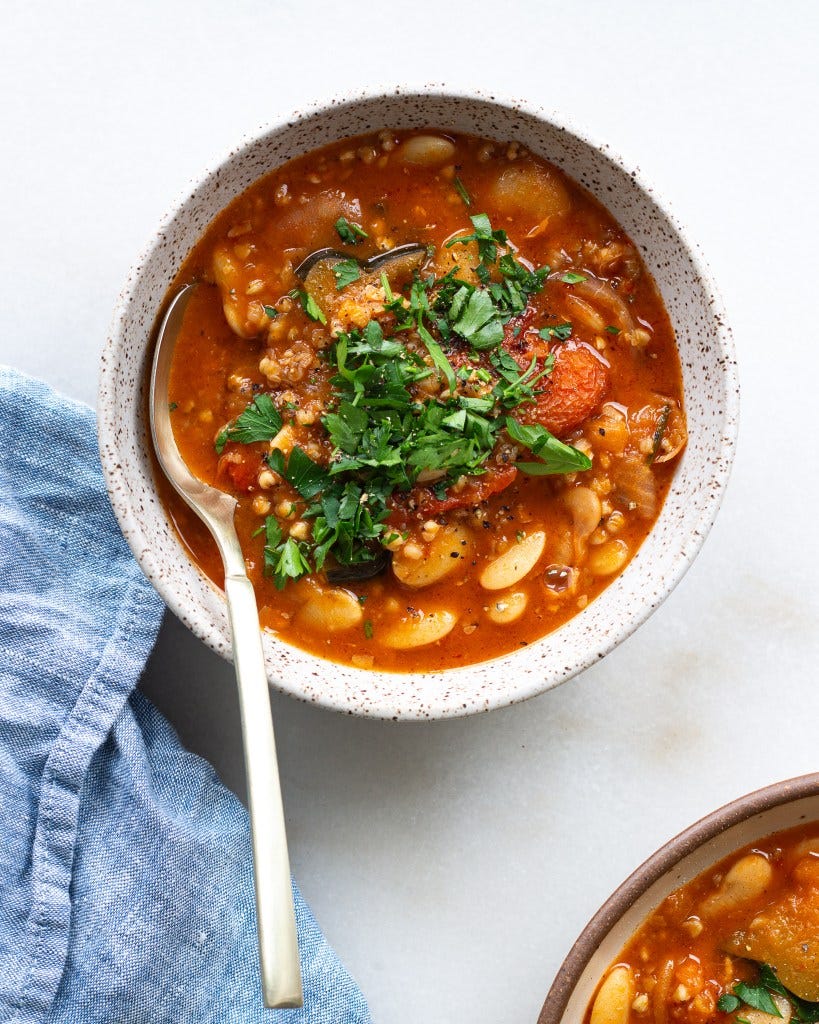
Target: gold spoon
pixel 275 914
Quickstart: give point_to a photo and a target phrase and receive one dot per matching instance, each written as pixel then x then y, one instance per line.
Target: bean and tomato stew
pixel 737 945
pixel 443 387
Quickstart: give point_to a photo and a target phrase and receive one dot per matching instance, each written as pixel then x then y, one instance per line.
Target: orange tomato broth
pixel 685 956
pixel 250 251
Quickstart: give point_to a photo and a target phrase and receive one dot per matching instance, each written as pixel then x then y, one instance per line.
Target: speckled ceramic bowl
pixel 709 378
pixel 773 809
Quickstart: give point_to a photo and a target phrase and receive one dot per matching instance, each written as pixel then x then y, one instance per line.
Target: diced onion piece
pixel 601 296
pixel 634 484
pixel 524 187
pixel 585 313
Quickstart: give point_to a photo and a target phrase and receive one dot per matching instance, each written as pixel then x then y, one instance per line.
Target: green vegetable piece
pixel 349 233
pixel 345 272
pixel 758 997
pixel 260 421
pixel 560 332
pixel 556 456
pixel 460 188
pixel 311 307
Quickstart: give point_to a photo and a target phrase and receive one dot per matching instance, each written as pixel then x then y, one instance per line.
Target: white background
pixel 452 865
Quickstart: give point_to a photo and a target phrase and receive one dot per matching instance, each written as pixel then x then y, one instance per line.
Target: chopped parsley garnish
pixel 260 421
pixel 284 558
pixel 659 433
pixel 487 239
pixel 345 272
pixel 349 233
pixel 760 997
pixel 560 332
pixel 311 307
pixel 757 997
pixel 385 432
pixel 271 312
pixel 460 188
pixel 572 277
pixel 555 456
pixel 611 329
pixel 172 406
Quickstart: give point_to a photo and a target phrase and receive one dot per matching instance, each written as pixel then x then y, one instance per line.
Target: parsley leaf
pixel 260 421
pixel 271 311
pixel 560 332
pixel 438 357
pixel 283 559
pixel 571 277
pixel 804 1011
pixel 460 188
pixel 612 330
pixel 311 307
pixel 345 272
pixel 487 239
pixel 307 476
pixel 348 232
pixel 728 1003
pixel 476 319
pixel 556 456
pixel 758 997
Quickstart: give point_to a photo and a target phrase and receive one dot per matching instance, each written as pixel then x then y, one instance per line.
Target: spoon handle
pixel 278 947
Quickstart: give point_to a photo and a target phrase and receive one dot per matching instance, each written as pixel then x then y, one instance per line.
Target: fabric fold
pixel 126 891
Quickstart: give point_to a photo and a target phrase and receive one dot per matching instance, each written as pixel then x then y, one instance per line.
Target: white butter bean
pixel 612 1004
pixel 427 150
pixel 507 607
pixel 333 610
pixel 448 551
pixel 419 629
pixel 745 881
pixel 511 567
pixel 608 558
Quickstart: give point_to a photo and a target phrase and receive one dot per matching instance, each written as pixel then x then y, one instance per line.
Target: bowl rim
pixel 654 868
pixel 535 682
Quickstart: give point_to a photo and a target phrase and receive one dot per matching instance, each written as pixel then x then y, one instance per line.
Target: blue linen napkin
pixel 126 892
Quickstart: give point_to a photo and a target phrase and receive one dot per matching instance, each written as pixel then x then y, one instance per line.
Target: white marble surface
pixel 452 865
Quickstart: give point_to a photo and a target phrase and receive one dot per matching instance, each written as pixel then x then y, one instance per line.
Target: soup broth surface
pixel 739 943
pixel 449 452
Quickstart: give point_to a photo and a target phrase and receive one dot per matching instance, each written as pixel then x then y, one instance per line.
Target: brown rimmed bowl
pixel 709 381
pixel 781 806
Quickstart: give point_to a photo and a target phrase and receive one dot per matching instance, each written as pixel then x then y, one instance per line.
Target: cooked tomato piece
pixel 422 502
pixel 241 467
pixel 570 394
pixel 475 490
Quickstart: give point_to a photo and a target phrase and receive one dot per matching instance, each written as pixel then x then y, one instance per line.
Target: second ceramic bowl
pixel 773 809
pixel 709 377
